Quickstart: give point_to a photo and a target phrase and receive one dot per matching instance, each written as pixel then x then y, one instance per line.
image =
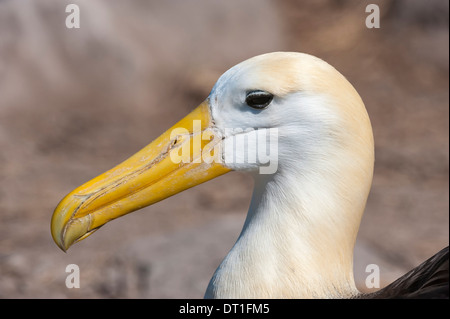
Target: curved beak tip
pixel 145 178
pixel 58 236
pixel 66 233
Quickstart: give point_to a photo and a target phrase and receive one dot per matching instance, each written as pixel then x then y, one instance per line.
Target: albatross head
pixel 302 131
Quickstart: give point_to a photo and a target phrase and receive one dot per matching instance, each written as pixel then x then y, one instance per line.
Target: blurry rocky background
pixel 75 102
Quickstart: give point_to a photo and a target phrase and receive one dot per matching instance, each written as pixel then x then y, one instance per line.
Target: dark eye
pixel 258 99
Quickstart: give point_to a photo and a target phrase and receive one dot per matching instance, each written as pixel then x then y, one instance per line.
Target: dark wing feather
pixel 428 280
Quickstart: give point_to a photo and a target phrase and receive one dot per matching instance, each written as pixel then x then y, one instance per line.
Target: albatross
pixel 299 234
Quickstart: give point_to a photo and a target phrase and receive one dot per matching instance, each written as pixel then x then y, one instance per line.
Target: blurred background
pixel 75 102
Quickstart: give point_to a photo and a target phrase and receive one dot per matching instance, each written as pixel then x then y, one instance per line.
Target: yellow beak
pixel 186 155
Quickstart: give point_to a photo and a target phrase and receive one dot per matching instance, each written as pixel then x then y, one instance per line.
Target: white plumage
pixel 300 230
pixel 298 238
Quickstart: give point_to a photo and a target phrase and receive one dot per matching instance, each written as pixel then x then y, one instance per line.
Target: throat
pixel 294 244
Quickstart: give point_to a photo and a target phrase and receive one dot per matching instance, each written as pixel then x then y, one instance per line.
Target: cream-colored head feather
pixel 301 228
pixel 298 238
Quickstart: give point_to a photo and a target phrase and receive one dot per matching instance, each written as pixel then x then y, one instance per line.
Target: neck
pixel 297 240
